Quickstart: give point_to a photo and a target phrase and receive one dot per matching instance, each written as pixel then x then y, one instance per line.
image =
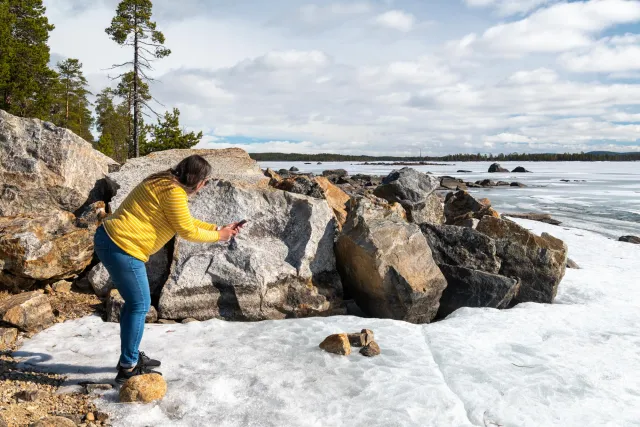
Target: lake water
pixel 601 196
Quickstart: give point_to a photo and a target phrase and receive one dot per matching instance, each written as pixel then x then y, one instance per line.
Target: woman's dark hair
pixel 188 173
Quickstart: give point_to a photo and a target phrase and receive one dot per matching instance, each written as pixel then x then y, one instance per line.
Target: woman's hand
pixel 227 232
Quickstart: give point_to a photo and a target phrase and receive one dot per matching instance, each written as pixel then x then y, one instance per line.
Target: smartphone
pixel 241 223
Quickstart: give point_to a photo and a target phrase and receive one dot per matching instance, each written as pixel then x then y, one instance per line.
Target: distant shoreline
pixel 594 156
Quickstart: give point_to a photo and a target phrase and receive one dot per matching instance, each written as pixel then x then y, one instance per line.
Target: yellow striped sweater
pixel 151 215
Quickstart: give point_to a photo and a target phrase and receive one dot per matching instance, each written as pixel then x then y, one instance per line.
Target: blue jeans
pixel 129 276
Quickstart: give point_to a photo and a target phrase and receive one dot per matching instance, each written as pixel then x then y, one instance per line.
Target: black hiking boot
pixel 152 363
pixel 140 369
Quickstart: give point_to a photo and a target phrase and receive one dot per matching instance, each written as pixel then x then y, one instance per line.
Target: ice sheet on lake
pixel 573 363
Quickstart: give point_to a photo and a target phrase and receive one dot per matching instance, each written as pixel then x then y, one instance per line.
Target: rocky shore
pixel 408 246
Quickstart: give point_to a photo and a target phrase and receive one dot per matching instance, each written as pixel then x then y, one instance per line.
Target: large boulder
pixel 497 168
pixel 114 306
pixel 157 272
pixel 538 261
pixel 336 199
pixel 232 164
pixel 300 184
pixel 318 187
pixel 44 167
pixel 44 246
pixel 29 311
pixel 462 246
pixel 415 192
pixel 473 288
pixel 283 264
pixel 387 264
pixel 451 183
pixel 460 207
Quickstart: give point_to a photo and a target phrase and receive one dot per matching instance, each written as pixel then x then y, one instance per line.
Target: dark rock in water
pixel 319 163
pixel 464 171
pixel 497 168
pixel 518 184
pixel 451 183
pixel 294 169
pixel 387 265
pixel 461 246
pixel 572 264
pixel 415 192
pixel 461 206
pixel 520 169
pixel 546 218
pixel 538 261
pixel 502 184
pixel 307 163
pixel 486 183
pixel 472 288
pixel 630 239
pixel 565 180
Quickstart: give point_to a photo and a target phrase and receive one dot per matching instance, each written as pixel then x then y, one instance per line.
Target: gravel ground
pixel 27 396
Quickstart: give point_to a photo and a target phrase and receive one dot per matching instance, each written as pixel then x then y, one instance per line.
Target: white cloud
pixel 623 117
pixel 611 54
pixel 284 72
pixel 558 28
pixel 396 20
pixel 509 7
pixel 540 75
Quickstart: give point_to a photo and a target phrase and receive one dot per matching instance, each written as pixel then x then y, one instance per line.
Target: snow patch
pixel 573 363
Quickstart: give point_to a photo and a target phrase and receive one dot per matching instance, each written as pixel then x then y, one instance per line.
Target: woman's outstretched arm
pixel 176 209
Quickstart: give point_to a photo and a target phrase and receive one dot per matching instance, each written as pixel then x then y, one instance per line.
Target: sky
pixel 384 77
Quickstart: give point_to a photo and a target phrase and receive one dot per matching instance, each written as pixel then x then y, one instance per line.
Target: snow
pixel 573 363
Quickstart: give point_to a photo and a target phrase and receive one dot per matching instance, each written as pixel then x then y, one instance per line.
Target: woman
pixel 153 213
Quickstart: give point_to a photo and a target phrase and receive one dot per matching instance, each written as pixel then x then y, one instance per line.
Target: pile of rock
pixel 415 191
pixel 400 252
pixel 341 343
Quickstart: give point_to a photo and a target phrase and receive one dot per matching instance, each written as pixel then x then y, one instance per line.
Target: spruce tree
pixel 112 121
pixel 25 78
pixel 132 26
pixel 73 112
pixel 168 134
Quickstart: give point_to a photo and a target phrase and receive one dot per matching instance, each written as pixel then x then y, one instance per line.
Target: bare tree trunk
pixel 66 117
pixel 136 149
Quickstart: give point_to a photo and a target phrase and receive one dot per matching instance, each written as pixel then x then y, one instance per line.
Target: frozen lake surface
pixel 575 363
pixel 601 196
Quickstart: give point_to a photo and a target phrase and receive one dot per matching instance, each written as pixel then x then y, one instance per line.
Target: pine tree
pixel 125 90
pixel 74 113
pixel 167 135
pixel 112 123
pixel 132 26
pixel 6 52
pixel 25 78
